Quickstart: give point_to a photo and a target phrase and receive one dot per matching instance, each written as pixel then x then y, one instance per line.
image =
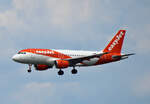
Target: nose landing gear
pixel 29 70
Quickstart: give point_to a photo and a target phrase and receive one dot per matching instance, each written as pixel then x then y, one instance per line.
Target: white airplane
pixel 43 59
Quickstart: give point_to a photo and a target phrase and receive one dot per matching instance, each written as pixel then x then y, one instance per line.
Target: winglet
pixel 115 45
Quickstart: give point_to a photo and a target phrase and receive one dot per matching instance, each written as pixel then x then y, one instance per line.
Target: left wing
pixel 74 61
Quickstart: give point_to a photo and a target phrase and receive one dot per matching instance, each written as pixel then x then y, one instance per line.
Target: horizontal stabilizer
pixel 128 54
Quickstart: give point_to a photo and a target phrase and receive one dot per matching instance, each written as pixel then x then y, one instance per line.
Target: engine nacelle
pixel 41 67
pixel 61 64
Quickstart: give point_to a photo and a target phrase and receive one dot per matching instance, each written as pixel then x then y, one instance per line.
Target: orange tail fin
pixel 115 45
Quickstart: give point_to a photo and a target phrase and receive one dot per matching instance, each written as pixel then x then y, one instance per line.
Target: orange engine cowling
pixel 41 67
pixel 62 64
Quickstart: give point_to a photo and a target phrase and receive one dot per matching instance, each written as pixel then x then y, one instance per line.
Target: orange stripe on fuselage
pixel 47 52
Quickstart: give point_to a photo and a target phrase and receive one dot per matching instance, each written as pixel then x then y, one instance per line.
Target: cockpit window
pixel 21 52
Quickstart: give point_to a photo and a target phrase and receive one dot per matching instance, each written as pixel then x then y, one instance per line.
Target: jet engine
pixel 61 64
pixel 41 67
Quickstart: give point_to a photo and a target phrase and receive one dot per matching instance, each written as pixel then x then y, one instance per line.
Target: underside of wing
pixel 74 61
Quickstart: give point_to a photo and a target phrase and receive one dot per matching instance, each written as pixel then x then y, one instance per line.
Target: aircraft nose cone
pixel 15 58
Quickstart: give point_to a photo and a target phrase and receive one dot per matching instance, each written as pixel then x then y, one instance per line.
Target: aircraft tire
pixel 74 71
pixel 29 71
pixel 60 72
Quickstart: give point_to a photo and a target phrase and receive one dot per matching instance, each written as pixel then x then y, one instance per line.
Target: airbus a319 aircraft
pixel 43 59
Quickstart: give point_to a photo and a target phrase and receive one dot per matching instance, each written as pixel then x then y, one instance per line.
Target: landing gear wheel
pixel 60 72
pixel 29 71
pixel 74 71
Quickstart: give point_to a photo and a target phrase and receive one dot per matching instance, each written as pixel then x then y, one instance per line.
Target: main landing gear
pixel 60 72
pixel 29 70
pixel 73 71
